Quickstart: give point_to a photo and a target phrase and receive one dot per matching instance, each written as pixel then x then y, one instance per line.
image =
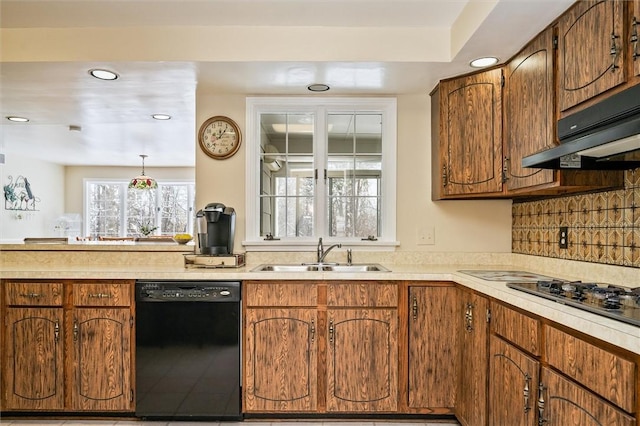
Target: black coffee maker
pixel 216 225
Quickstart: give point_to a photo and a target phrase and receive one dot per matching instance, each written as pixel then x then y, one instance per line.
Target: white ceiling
pixel 115 117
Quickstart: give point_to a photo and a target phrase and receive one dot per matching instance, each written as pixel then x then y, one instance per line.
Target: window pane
pixel 340 128
pixel 287 181
pixel 104 209
pixel 141 212
pixel 174 209
pixel 368 133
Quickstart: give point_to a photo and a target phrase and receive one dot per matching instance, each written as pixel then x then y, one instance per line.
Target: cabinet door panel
pixel 613 378
pixel 101 377
pixel 471 405
pixel 635 30
pixel 432 347
pixel 513 377
pixel 471 140
pixel 362 364
pixel 586 67
pixel 33 379
pixel 281 360
pixel 529 116
pixel 568 404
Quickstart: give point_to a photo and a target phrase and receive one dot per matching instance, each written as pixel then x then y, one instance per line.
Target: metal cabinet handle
pixel 527 383
pixel 634 38
pixel 313 331
pixel 56 331
pixel 614 52
pixel 444 175
pixel 331 331
pixel 75 331
pixel 468 318
pixel 31 295
pixel 100 295
pixel 414 308
pixel 541 419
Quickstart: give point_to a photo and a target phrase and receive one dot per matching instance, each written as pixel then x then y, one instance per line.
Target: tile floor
pixel 246 423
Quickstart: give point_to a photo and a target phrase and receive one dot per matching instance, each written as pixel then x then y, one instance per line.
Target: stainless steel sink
pixel 363 267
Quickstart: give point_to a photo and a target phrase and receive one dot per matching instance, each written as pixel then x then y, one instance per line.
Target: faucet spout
pixel 322 253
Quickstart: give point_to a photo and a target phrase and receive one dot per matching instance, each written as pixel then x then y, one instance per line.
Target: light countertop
pixel 615 332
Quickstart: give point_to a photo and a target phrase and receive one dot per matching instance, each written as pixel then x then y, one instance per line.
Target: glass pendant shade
pixel 143 181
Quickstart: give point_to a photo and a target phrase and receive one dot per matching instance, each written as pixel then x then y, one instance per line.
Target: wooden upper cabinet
pixel 467 160
pixel 528 105
pixel 634 37
pixel 591 50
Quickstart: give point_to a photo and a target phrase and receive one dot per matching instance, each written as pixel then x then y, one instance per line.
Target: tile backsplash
pixel 603 227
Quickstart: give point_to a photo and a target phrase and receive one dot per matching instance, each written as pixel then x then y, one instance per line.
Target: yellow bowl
pixel 182 240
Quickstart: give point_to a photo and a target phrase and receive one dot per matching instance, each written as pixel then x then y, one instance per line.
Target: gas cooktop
pixel 619 303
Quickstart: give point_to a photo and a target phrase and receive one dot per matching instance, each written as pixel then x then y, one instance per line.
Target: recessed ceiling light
pixel 17 119
pixel 318 87
pixel 161 116
pixel 483 62
pixel 103 74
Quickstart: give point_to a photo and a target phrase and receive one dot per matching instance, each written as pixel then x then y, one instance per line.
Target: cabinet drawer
pixel 516 327
pixel 102 293
pixel 292 293
pixel 362 293
pixel 34 293
pixel 605 373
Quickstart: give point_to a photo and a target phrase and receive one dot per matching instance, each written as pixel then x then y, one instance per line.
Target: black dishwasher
pixel 188 350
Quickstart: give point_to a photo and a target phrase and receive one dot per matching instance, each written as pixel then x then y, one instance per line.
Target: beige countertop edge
pixel 615 332
pixel 119 246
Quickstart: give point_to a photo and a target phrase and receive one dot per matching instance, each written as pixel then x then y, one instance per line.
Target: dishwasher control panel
pixel 187 291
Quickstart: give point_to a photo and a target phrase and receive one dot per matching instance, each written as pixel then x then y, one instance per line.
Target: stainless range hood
pixel 605 136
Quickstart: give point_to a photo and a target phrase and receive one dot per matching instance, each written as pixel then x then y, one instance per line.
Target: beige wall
pixel 459 226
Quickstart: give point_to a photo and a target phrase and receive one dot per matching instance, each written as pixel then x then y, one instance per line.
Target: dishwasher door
pixel 188 350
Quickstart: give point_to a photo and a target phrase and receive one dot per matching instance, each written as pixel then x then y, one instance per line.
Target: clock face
pixel 219 137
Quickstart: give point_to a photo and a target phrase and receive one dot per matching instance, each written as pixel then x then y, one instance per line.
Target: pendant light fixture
pixel 142 181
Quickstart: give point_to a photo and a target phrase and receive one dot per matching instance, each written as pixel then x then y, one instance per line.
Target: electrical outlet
pixel 426 236
pixel 563 237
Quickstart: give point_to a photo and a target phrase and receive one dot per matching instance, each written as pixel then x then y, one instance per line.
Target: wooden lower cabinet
pixel 472 382
pixel 432 346
pixel 513 377
pixel 362 360
pixel 67 357
pixel 101 360
pixel 281 359
pixel 563 402
pixel 33 358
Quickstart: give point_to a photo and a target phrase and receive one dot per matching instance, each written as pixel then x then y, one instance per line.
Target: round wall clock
pixel 219 137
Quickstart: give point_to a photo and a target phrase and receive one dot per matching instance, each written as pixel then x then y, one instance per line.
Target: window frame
pixel 322 107
pixel 123 216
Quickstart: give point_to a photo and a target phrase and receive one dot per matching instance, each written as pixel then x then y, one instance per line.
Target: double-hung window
pixel 320 167
pixel 114 210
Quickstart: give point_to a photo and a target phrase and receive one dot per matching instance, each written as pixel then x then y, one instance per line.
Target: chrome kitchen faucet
pixel 323 253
